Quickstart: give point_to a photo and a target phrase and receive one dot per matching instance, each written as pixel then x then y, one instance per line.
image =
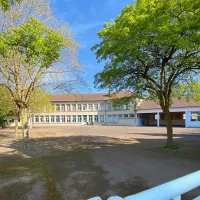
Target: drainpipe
pixel 105 111
pixel 158 119
pixel 186 119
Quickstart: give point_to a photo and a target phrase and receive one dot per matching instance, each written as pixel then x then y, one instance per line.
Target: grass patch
pixel 173 147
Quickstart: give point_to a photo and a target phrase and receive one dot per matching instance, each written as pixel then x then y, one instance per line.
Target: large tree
pixel 27 52
pixel 36 51
pixel 151 49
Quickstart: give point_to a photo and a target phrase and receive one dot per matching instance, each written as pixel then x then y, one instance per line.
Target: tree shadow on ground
pixel 67 168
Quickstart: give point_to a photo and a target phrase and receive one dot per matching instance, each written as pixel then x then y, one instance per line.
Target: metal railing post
pixel 168 191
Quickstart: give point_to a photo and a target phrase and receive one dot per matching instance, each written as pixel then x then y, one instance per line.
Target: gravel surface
pixel 85 161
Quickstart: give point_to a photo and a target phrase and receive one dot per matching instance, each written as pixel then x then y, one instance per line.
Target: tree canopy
pixel 5 4
pixel 40 101
pixel 6 106
pixel 37 47
pixel 153 46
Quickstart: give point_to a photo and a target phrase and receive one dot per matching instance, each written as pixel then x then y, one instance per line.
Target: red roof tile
pixel 88 97
pixel 177 103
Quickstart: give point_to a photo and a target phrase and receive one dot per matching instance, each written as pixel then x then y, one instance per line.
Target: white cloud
pixel 84 27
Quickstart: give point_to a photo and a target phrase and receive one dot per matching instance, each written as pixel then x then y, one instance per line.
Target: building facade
pixel 87 109
pixel 184 113
pixel 98 109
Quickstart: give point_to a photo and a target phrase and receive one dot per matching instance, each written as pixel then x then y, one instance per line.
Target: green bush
pixel 5 117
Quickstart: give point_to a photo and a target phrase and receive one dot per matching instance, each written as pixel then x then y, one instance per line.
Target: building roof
pixel 89 97
pixel 177 103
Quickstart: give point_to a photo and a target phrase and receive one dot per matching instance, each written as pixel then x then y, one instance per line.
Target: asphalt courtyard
pixel 81 162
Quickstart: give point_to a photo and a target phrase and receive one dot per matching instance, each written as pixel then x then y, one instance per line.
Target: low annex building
pixel 183 113
pixel 98 109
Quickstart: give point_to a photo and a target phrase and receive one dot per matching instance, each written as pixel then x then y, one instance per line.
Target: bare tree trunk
pixel 30 126
pixel 30 122
pixel 168 121
pixel 25 128
pixel 16 128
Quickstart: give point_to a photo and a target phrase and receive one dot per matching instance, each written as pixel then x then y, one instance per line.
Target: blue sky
pixel 86 18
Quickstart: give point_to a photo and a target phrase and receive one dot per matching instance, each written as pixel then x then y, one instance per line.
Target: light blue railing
pixel 168 191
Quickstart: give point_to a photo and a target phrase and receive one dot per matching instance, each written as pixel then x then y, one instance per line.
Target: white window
pixel 79 107
pixel 62 118
pixel 52 119
pixel 110 118
pixel 79 118
pixel 57 118
pixel 114 118
pixel 57 107
pixel 96 119
pixel 42 119
pixel 102 106
pixel 68 107
pixel 125 115
pixel 73 107
pixel 74 118
pixel 90 107
pixel 84 106
pixel 84 118
pixel 62 107
pixel 132 115
pixel 96 106
pixel 119 116
pixel 47 119
pixel 195 116
pixel 101 118
pixel 109 106
pixel 68 118
pixel 36 119
pixel 90 118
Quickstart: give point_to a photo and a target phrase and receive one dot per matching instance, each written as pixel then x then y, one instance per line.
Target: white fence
pixel 168 191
